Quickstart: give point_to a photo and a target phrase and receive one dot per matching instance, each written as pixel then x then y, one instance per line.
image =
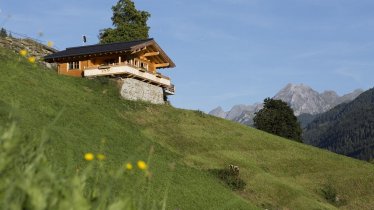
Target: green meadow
pixel 53 121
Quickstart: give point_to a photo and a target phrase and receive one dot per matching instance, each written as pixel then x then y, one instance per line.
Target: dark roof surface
pixel 96 49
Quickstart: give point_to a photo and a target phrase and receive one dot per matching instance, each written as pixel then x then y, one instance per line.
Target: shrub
pixel 231 177
pixel 200 113
pixel 3 33
pixel 330 194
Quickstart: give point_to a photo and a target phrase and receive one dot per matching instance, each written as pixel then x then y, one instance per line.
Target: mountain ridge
pixel 301 98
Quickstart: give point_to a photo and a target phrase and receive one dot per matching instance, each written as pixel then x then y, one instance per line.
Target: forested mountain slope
pixel 347 129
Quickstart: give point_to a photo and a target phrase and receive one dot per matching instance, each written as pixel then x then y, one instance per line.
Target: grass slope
pixel 79 114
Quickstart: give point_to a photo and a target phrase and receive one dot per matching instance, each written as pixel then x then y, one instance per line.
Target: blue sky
pixel 228 52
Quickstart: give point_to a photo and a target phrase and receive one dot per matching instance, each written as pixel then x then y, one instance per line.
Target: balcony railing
pixel 128 71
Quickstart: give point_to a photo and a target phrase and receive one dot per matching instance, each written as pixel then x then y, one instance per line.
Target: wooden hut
pixel 138 59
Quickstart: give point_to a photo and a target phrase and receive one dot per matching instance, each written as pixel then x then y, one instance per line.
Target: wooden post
pixel 119 60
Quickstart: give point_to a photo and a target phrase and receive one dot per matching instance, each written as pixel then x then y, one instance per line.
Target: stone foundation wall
pixel 132 89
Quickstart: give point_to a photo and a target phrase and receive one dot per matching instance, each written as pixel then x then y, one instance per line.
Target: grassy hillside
pixel 79 115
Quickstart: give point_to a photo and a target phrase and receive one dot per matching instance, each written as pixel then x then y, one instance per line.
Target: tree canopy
pixel 278 118
pixel 129 24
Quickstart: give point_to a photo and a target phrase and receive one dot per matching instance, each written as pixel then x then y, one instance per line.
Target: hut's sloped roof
pixel 98 49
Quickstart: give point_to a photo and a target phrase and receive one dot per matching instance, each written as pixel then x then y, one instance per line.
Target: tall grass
pixel 27 181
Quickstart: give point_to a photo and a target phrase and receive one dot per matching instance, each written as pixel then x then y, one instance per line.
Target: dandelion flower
pixel 32 59
pixel 128 166
pixel 89 156
pixel 142 165
pixel 100 156
pixel 50 44
pixel 23 52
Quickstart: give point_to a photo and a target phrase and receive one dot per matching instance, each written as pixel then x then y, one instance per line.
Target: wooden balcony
pixel 170 90
pixel 127 70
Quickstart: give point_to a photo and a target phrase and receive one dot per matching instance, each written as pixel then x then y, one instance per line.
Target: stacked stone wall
pixel 132 89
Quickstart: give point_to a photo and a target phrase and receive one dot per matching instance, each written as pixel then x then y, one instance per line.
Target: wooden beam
pixel 160 65
pixel 143 58
pixel 135 51
pixel 151 54
pixel 138 50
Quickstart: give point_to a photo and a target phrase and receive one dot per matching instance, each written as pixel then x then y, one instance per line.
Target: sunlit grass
pixel 28 181
pixel 87 116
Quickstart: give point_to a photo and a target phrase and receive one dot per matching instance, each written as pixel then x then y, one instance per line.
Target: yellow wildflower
pixel 100 156
pixel 142 165
pixel 89 156
pixel 23 52
pixel 50 44
pixel 128 166
pixel 32 59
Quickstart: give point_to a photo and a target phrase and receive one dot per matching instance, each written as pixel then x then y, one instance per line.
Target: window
pixel 144 65
pixel 73 65
pixel 110 61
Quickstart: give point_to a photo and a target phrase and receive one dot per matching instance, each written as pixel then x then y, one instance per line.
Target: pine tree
pixel 129 24
pixel 3 33
pixel 278 118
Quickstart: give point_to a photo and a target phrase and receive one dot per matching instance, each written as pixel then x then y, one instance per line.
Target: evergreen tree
pixel 278 118
pixel 129 24
pixel 3 33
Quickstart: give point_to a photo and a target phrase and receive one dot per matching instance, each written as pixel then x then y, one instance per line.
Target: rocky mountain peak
pixel 238 110
pixel 218 112
pixel 302 99
pixel 330 97
pixel 295 87
pixel 330 93
pixel 350 96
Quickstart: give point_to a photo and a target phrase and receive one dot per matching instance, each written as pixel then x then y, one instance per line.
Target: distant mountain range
pixel 347 129
pixel 239 113
pixel 303 100
pixel 341 124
